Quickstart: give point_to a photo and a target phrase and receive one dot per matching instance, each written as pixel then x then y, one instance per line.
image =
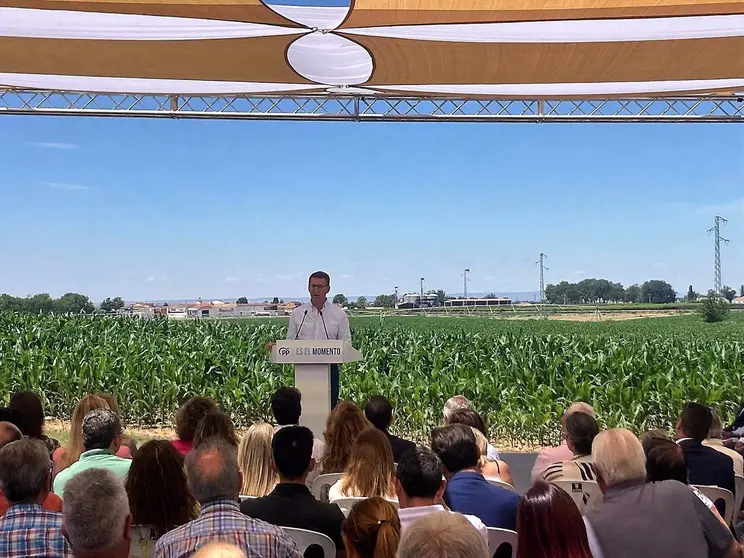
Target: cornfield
pixel 520 374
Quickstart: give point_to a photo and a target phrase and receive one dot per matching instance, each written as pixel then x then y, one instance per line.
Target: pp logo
pixel 284 351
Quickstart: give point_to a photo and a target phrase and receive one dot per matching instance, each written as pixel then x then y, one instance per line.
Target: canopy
pixel 506 48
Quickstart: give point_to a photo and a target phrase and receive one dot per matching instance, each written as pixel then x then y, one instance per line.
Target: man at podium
pixel 319 320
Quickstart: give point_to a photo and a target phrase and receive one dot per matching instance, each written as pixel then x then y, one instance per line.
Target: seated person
pixel 291 504
pixel 579 430
pixel 370 470
pixel 497 469
pixel 379 412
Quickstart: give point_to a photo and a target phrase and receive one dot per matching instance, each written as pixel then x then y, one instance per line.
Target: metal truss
pixel 374 108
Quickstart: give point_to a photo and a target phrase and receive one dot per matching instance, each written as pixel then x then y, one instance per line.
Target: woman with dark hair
pixel 187 420
pixel 549 525
pixel 372 529
pixel 215 423
pixel 343 425
pixel 28 406
pixel 579 431
pixel 472 418
pixel 156 485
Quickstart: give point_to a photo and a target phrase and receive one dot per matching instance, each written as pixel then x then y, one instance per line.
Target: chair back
pixel 243 497
pixel 585 494
pixel 501 484
pixel 502 543
pixel 723 500
pixel 739 496
pixel 347 503
pixel 322 485
pixel 144 538
pixel 304 539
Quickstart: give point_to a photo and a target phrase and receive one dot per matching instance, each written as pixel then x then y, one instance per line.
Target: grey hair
pixel 212 471
pixel 443 535
pixel 454 403
pixel 100 427
pixel 24 469
pixel 617 456
pixel 95 510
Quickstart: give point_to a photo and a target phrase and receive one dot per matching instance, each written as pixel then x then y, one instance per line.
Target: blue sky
pixel 166 209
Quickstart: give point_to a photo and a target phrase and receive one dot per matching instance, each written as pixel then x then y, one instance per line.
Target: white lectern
pixel 312 360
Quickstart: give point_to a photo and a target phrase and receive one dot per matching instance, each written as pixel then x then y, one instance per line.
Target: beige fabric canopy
pixel 509 48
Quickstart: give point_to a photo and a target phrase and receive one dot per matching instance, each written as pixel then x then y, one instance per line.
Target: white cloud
pixel 56 145
pixel 151 278
pixel 66 186
pixel 231 279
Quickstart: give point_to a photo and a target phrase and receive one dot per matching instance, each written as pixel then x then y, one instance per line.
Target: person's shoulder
pixel 251 506
pixel 299 310
pixel 172 537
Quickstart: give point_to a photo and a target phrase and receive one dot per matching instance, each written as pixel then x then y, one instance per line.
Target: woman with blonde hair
pixel 67 455
pixel 370 470
pixel 372 529
pixel 343 425
pixel 254 461
pixel 491 469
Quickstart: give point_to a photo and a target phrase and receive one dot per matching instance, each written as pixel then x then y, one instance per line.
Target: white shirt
pixel 409 516
pixel 336 323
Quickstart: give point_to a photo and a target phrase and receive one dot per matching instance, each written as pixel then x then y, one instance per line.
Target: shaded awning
pixel 509 48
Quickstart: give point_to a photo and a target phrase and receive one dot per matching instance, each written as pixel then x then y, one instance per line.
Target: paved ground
pixel 521 468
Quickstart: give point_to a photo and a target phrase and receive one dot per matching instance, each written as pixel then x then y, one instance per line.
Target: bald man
pixel 8 433
pixel 559 454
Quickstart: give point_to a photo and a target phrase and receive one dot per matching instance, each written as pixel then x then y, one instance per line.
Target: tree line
pixel 595 291
pixel 70 303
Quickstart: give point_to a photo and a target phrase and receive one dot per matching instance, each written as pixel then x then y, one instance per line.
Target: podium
pixel 312 361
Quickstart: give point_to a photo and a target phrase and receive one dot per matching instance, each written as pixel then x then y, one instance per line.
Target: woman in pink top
pixel 187 420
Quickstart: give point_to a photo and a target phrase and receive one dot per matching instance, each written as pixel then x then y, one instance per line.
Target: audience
pixel 101 441
pixel 370 470
pixel 549 525
pixel 343 425
pixel 467 490
pixel 665 460
pixel 579 431
pixel 97 522
pixel 291 504
pixel 187 421
pixel 286 405
pixel 214 479
pixel 705 465
pixel 29 407
pixel 67 455
pixel 254 461
pixel 498 469
pixel 215 423
pixel 10 433
pixel 220 550
pixel 379 413
pixel 471 418
pixel 715 441
pixel 372 529
pixel 647 519
pixel 27 529
pixel 157 489
pixel 548 456
pixel 420 488
pixel 443 535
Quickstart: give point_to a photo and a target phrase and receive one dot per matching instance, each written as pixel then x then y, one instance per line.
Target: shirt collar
pixel 291 489
pixel 216 506
pixel 24 508
pixel 93 452
pixel 622 487
pixel 467 474
pixel 422 510
pixel 688 441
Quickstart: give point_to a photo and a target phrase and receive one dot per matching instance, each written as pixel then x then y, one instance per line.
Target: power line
pixel 543 269
pixel 716 229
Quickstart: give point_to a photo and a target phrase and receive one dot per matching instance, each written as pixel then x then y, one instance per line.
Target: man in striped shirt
pixel 215 480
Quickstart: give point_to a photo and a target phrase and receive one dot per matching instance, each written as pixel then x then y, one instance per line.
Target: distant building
pixel 458 302
pixel 415 300
pixel 231 310
pixel 738 300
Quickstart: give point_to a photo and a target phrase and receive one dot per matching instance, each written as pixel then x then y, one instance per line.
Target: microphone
pixel 324 326
pixel 299 329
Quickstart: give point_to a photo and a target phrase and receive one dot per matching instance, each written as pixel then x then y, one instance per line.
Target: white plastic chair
pixel 739 496
pixel 347 503
pixel 322 484
pixel 498 537
pixel 305 539
pixel 501 484
pixel 143 541
pixel 585 494
pixel 716 493
pixel 243 497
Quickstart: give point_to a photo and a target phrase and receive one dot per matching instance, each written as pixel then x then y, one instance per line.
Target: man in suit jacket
pixel 705 465
pixel 467 491
pixel 291 504
pixel 379 412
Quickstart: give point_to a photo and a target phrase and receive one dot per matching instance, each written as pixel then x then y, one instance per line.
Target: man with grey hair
pixel 561 453
pixel 27 529
pixel 442 535
pixel 215 480
pixel 715 441
pixel 101 441
pixel 647 519
pixel 97 522
pixel 457 402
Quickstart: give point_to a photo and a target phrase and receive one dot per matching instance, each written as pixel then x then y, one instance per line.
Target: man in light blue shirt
pixel 101 441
